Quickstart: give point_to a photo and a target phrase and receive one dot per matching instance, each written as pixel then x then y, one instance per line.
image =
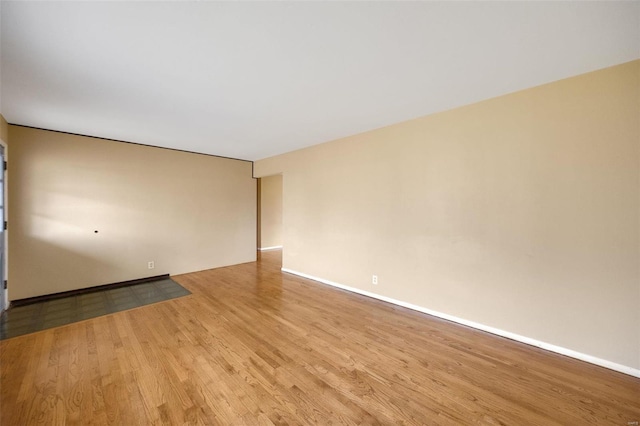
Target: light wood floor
pixel 254 346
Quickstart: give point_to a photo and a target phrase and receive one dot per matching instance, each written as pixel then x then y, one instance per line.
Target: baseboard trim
pixel 47 297
pixel 502 333
pixel 269 248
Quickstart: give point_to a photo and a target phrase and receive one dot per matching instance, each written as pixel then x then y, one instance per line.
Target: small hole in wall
pixel 96 231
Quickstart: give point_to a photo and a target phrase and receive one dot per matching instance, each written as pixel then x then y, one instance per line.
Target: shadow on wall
pixel 53 275
pixel 156 211
pixel 75 236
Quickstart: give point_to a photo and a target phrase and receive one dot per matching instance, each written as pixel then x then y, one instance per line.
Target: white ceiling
pixel 253 79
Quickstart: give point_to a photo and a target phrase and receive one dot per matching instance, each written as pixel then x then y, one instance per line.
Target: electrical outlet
pixel 374 280
pixel 151 265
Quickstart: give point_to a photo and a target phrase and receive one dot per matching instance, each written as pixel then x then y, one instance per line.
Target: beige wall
pixel 519 212
pixel 270 211
pixel 4 130
pixel 186 212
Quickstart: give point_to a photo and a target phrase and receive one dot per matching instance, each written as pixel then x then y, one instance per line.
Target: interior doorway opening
pixel 270 235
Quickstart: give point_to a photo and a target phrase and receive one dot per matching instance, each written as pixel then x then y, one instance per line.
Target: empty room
pixel 320 212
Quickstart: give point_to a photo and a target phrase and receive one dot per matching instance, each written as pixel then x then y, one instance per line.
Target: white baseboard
pixel 269 248
pixel 529 341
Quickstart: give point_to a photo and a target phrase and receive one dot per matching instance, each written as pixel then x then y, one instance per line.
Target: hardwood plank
pixel 253 346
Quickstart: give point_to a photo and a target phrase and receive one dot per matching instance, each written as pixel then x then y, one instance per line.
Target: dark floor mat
pixel 26 319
